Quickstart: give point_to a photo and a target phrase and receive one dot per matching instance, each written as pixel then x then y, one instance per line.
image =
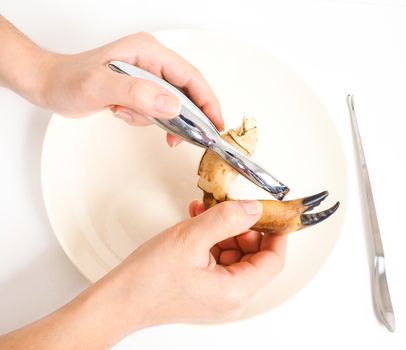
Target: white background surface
pixel 339 47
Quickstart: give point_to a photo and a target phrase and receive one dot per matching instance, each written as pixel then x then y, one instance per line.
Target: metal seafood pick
pixel 380 291
pixel 193 126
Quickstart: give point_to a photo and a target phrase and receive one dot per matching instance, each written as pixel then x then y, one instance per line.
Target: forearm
pixel 22 63
pixel 89 322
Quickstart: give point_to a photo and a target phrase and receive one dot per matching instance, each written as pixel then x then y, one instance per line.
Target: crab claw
pixel 313 201
pixel 313 219
pixel 280 218
pixel 283 217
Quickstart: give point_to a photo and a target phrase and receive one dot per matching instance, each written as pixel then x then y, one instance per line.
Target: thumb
pixel 224 220
pixel 142 96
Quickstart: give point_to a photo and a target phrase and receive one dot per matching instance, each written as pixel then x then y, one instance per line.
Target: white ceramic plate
pixel 108 187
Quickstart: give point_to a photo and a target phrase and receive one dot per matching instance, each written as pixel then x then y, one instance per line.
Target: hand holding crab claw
pixel 250 246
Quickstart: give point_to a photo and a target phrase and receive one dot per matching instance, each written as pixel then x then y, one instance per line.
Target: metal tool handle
pixel 193 126
pixel 381 296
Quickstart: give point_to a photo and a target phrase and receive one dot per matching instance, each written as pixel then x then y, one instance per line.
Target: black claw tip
pixel 313 201
pixel 313 219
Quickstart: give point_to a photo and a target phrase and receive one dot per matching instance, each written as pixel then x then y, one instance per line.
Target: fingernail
pixel 252 207
pixel 124 115
pixel 168 105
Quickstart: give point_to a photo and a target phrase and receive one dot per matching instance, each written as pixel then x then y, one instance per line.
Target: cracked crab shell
pixel 215 174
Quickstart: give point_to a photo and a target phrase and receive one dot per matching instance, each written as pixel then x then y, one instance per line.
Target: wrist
pixel 34 84
pixel 109 309
pixel 24 66
pixel 27 75
pixel 91 320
